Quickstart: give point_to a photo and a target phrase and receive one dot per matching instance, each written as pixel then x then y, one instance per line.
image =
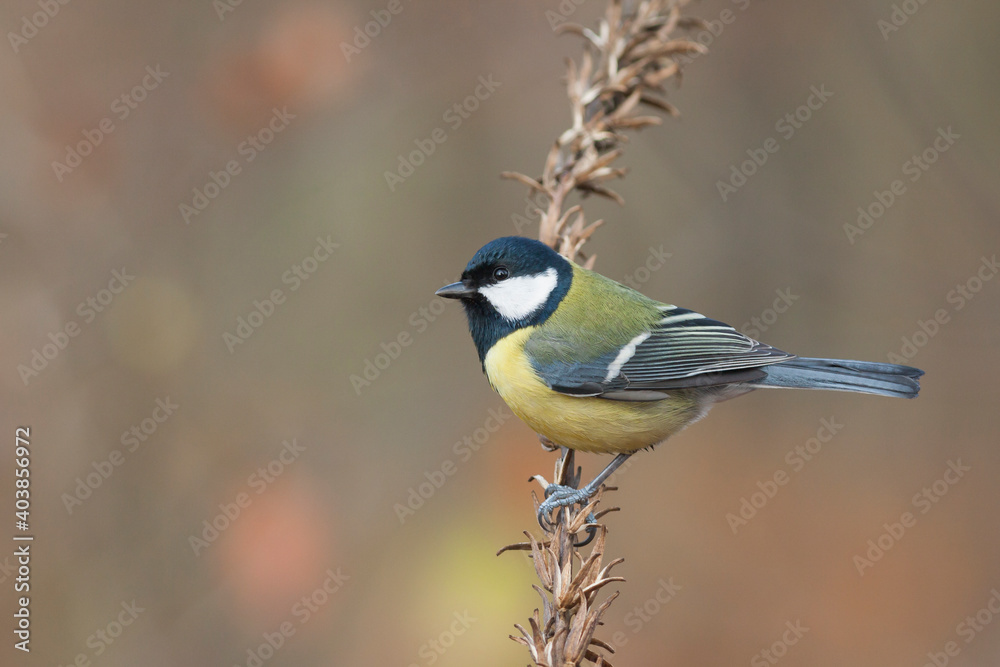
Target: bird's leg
pixel 557 495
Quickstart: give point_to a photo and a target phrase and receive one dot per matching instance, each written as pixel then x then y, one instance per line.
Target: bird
pixel 595 366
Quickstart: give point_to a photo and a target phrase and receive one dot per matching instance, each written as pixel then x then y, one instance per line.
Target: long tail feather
pixel 866 377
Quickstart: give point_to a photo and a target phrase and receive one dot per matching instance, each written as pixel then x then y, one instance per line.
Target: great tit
pixel 595 366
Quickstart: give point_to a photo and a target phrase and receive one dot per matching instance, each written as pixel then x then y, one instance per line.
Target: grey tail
pixel 866 377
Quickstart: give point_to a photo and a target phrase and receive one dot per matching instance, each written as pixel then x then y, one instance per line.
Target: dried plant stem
pixel 625 65
pixel 563 634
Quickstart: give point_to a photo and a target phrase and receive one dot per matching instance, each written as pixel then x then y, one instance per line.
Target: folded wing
pixel 685 349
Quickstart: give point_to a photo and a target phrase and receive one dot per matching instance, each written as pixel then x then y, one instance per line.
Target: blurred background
pixel 258 438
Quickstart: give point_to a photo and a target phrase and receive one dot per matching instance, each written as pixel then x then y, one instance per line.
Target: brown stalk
pixel 625 66
pixel 624 69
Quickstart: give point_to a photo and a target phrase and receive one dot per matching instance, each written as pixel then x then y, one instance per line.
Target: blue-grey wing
pixel 686 349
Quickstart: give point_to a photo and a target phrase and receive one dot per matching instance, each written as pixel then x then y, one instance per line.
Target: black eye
pixel 501 273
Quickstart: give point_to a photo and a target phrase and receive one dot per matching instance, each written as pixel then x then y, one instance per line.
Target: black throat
pixel 488 326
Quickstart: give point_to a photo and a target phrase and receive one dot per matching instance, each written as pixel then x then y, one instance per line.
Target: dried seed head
pixel 562 631
pixel 625 65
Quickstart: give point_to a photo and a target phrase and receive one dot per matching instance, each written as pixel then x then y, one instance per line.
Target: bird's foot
pixel 558 496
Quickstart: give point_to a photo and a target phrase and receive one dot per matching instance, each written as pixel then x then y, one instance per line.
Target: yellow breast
pixel 588 424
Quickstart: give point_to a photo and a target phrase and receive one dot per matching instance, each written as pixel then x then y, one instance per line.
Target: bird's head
pixel 510 283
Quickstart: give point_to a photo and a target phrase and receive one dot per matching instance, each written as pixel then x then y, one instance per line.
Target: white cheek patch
pixel 519 297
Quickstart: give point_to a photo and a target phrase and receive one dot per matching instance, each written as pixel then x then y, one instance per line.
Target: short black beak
pixel 456 291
